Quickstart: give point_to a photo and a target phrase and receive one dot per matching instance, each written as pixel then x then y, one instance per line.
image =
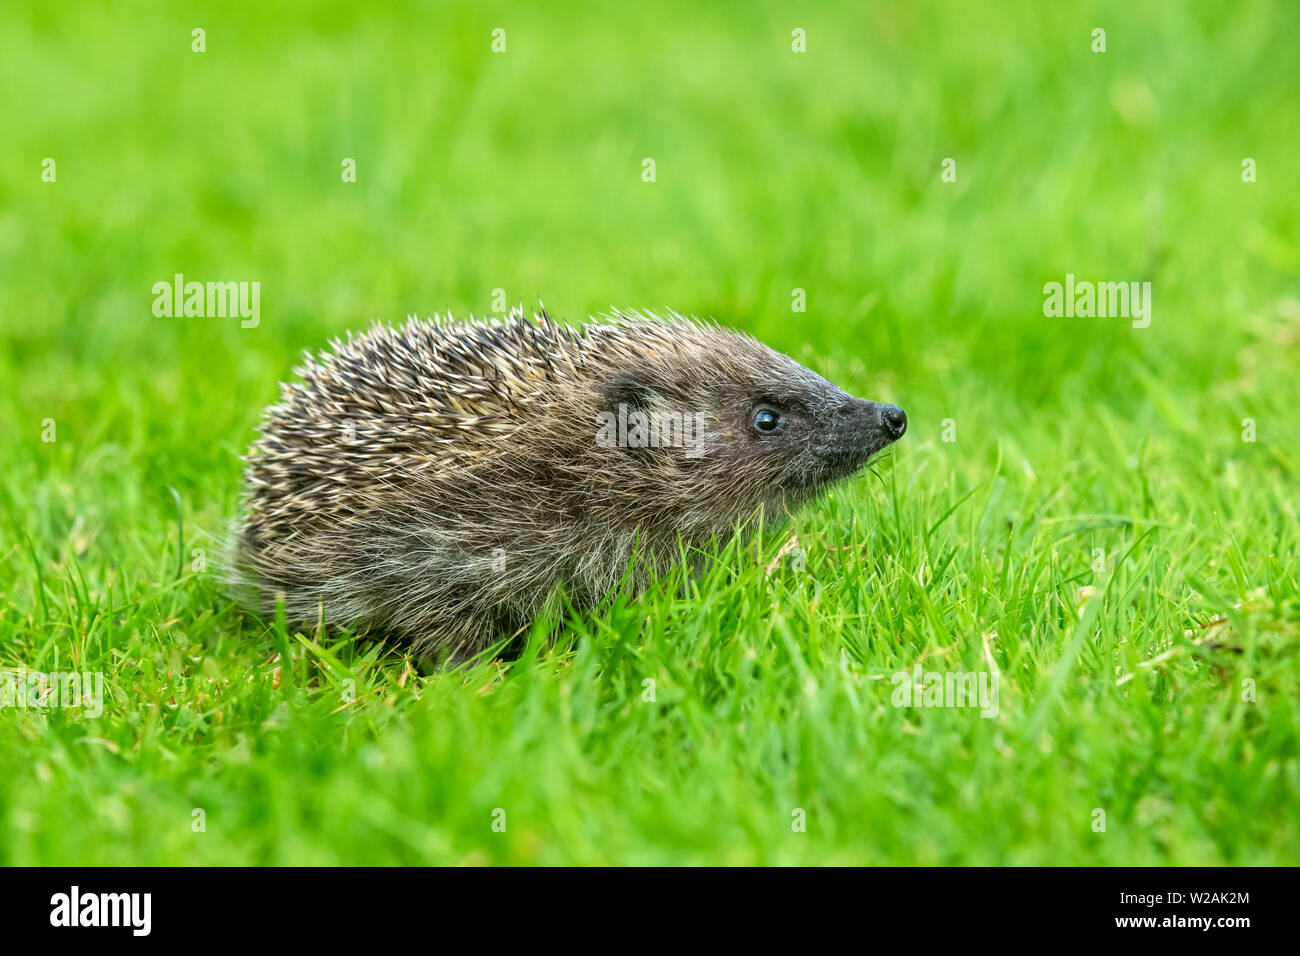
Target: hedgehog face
pixel 806 445
pixel 754 429
pixel 802 433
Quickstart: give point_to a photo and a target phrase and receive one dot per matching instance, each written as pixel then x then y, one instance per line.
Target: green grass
pixel 775 171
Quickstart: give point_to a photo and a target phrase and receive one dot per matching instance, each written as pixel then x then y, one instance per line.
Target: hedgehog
pixel 438 482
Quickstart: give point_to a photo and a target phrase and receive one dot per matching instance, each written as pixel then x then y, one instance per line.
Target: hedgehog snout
pixel 854 431
pixel 861 429
pixel 871 425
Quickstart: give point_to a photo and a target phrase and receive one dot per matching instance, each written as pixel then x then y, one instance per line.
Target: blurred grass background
pixel 775 171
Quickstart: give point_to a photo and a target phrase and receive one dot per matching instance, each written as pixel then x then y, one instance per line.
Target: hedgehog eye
pixel 766 420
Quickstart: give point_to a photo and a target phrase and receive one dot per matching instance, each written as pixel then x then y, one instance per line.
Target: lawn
pixel 1097 513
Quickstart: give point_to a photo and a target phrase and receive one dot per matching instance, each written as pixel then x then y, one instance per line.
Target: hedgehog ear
pixel 627 389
